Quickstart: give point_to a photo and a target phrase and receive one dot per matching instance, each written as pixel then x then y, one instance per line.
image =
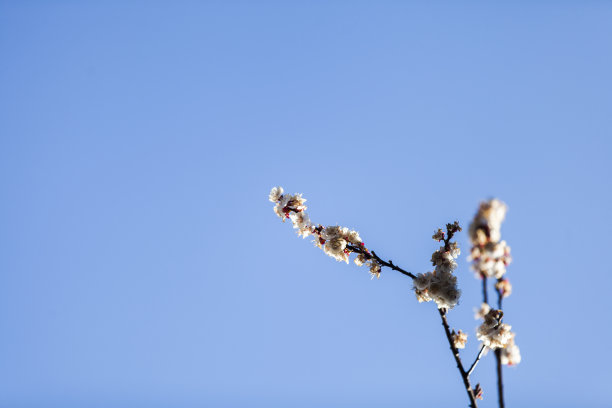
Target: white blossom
pixel 360 259
pixel 301 222
pixel 492 332
pixel 439 286
pixel 444 260
pixel 422 295
pixel 353 237
pixel 487 221
pixel 331 232
pixel 511 354
pixel 335 248
pixel 375 268
pixel 459 339
pixel 491 259
pixel 422 281
pixel 275 194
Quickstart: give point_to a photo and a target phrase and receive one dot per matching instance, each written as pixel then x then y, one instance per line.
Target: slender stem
pixel 391 265
pixel 500 296
pixel 464 374
pixel 500 381
pixel 476 361
pixel 372 254
pixel 485 297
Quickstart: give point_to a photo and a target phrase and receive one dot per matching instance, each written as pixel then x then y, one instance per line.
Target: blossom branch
pixel 439 286
pixel 491 256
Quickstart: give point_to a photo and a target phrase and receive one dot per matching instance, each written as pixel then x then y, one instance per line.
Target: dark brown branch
pixel 372 255
pixel 391 265
pixel 476 361
pixel 464 374
pixel 450 232
pixel 484 289
pixel 500 295
pixel 500 382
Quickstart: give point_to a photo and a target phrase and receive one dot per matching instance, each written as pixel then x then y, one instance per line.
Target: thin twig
pixel 476 361
pixel 464 374
pixel 500 296
pixel 484 289
pixel 500 381
pixel 372 254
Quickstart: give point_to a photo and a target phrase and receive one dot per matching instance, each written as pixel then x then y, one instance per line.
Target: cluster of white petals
pixel 334 240
pixel 291 206
pixel 490 259
pixel 440 285
pixel 511 354
pixel 486 225
pixel 459 339
pixel 490 256
pixel 492 332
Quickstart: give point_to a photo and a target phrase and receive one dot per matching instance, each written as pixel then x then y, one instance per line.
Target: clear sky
pixel 141 264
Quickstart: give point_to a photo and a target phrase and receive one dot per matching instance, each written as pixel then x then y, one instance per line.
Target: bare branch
pixel 469 372
pixel 464 374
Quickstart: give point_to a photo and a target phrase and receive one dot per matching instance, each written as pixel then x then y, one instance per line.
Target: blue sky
pixel 142 265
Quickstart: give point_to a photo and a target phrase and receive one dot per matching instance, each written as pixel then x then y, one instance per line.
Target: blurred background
pixel 141 264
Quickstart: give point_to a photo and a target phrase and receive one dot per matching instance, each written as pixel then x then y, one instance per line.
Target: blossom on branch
pixel 440 285
pixel 459 339
pixel 334 240
pixel 492 332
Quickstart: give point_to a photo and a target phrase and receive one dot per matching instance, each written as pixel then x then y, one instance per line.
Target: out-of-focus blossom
pixel 504 286
pixel 482 312
pixel 511 355
pixel 487 221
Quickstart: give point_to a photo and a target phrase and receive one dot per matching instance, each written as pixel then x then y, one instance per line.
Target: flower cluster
pixel 490 256
pixel 459 339
pixel 440 285
pixel 490 259
pixel 492 332
pixel 486 225
pixel 336 241
pixel 511 355
pixel 291 206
